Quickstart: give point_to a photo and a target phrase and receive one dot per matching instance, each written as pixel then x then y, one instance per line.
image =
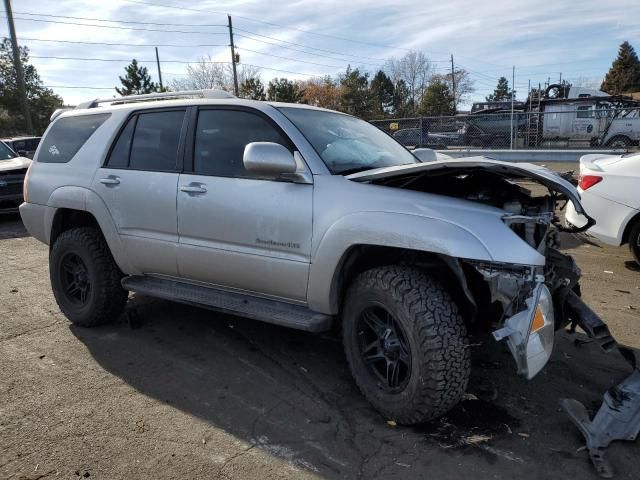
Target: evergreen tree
pixel 402 103
pixel 437 100
pixel 136 81
pixel 42 101
pixel 253 89
pixel 502 91
pixel 283 90
pixel 624 74
pixel 356 96
pixel 382 93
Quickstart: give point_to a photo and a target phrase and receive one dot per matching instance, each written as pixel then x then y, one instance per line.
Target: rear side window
pixel 67 136
pixel 155 141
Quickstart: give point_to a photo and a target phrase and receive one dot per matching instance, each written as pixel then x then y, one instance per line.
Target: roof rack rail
pixel 157 96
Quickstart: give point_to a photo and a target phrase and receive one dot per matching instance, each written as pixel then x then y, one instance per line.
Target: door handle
pixel 194 188
pixel 110 180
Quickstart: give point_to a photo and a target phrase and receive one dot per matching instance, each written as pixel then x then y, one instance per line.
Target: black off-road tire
pixel 105 298
pixel 634 242
pixel 434 331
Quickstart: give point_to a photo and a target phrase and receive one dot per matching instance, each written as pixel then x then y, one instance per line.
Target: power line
pixel 116 27
pixel 274 25
pixel 307 46
pixel 171 61
pixel 126 44
pixel 288 58
pixel 84 59
pixel 302 51
pixel 122 21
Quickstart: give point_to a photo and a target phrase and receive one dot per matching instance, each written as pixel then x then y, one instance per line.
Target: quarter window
pixel 221 136
pixel 67 135
pixel 119 157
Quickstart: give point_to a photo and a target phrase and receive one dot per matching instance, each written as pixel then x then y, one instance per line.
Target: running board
pixel 265 310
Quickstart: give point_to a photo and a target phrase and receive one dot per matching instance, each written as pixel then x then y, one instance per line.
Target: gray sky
pixel 306 38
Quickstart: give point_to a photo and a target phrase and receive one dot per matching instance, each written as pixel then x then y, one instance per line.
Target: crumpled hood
pixel 16 163
pixel 542 175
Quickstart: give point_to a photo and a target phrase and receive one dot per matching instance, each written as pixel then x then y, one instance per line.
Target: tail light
pixel 587 181
pixel 25 189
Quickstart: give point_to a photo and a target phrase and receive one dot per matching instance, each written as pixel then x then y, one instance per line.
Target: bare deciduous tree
pixel 415 70
pixel 206 73
pixel 463 86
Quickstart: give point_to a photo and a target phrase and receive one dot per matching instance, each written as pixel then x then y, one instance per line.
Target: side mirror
pixel 429 155
pixel 268 159
pixel 22 153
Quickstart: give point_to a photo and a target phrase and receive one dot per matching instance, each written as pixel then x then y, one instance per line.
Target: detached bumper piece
pixel 619 416
pixel 617 419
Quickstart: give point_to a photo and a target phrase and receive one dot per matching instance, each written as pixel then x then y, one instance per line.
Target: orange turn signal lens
pixel 538 320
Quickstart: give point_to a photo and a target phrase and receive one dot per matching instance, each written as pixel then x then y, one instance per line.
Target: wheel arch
pixel 633 221
pixel 74 207
pixel 459 281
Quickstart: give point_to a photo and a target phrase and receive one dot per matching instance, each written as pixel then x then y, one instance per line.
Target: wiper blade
pixel 349 171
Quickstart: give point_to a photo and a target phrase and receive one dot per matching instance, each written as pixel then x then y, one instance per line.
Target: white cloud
pixel 577 39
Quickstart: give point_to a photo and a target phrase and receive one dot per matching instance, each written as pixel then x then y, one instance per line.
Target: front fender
pixel 386 229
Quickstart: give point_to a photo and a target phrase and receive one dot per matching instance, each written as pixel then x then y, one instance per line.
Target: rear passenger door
pixel 237 230
pixel 138 183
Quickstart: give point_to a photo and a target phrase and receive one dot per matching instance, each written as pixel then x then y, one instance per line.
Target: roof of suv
pixel 169 99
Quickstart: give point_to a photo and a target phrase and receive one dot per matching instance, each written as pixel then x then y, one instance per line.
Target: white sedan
pixel 609 186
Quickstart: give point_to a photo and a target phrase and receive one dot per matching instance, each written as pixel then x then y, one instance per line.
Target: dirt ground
pixel 178 392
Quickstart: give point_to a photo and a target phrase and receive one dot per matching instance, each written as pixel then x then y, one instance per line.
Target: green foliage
pixel 136 81
pixel 402 102
pixel 437 100
pixel 42 101
pixel 624 74
pixel 252 89
pixel 283 90
pixel 502 91
pixel 381 93
pixel 356 96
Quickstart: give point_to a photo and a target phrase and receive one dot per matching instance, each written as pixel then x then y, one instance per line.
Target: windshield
pixel 347 144
pixel 5 152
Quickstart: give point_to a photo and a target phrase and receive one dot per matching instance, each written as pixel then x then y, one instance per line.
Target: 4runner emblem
pixel 53 150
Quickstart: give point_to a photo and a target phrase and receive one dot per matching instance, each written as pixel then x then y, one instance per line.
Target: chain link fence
pixel 559 127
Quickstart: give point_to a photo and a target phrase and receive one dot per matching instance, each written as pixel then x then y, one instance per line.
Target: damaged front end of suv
pixel 522 304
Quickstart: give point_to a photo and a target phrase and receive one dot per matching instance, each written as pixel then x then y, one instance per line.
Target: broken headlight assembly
pixel 530 332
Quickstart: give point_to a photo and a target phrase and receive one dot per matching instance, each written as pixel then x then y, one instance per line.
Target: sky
pixel 307 38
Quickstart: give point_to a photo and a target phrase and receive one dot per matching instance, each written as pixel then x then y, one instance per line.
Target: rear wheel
pixel 619 142
pixel 406 343
pixel 85 279
pixel 634 242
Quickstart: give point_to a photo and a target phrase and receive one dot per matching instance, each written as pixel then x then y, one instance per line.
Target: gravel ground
pixel 178 392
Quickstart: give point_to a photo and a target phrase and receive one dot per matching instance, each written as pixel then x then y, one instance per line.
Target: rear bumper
pixel 34 219
pixel 611 217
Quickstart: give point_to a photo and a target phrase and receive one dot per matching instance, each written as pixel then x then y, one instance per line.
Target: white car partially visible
pixel 609 186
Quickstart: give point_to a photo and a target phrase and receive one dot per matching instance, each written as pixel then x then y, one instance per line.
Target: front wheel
pixel 619 142
pixel 406 343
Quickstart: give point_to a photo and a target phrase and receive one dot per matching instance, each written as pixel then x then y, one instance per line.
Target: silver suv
pixel 306 218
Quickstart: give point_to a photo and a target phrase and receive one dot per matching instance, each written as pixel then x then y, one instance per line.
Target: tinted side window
pixel 67 135
pixel 119 157
pixel 221 136
pixel 155 141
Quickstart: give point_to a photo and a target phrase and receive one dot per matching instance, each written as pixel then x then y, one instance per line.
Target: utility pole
pixel 560 82
pixel 233 59
pixel 22 91
pixel 453 86
pixel 159 71
pixel 513 94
